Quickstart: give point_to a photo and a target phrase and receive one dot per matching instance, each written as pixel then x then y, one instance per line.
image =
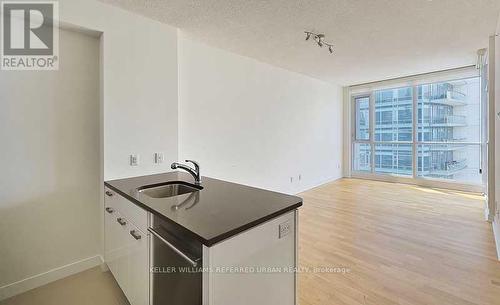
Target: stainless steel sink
pixel 169 189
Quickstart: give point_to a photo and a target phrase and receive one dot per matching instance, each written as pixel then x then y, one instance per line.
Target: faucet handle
pixel 196 164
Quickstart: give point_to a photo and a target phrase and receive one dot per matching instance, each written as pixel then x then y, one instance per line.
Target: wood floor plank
pixel 403 244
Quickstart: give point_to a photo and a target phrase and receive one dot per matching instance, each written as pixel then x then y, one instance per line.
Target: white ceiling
pixel 374 39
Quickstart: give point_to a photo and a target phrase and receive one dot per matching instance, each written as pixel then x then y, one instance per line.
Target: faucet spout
pixel 195 172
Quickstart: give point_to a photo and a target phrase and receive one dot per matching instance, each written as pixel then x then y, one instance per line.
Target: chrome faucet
pixel 195 172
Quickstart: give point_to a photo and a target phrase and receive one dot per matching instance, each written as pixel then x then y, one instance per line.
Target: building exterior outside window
pixel 447 137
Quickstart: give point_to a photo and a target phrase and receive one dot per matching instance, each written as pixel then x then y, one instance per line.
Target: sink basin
pixel 168 189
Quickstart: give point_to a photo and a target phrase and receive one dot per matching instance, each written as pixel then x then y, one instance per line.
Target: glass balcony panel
pixel 394 159
pixel 454 162
pixel 362 157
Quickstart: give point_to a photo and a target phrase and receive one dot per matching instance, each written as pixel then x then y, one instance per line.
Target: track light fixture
pixel 320 40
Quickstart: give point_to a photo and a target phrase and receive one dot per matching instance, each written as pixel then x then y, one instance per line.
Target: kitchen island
pixel 217 242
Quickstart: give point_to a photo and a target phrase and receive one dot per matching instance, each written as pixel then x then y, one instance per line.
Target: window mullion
pixel 372 129
pixel 415 131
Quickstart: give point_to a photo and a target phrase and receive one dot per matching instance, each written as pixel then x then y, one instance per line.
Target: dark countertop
pixel 218 211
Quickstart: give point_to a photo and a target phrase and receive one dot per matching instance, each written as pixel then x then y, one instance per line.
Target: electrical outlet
pixel 291 179
pixel 285 229
pixel 300 177
pixel 134 160
pixel 158 158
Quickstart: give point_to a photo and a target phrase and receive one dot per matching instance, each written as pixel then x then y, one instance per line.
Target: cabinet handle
pixel 121 221
pixel 136 235
pixel 109 210
pixel 109 194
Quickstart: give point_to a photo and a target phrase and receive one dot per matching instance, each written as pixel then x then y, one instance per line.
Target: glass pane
pixel 456 162
pixel 362 157
pixel 362 118
pixel 394 114
pixel 396 159
pixel 449 111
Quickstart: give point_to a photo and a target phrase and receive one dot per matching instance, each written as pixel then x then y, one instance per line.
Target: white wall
pixel 249 122
pixel 139 83
pixel 138 95
pixel 50 181
pixel 496 87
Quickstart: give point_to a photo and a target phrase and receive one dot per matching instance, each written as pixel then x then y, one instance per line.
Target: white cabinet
pixel 126 247
pixel 111 239
pixel 116 247
pixel 269 253
pixel 138 267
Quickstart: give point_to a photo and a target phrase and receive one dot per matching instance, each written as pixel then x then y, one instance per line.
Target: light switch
pixel 134 160
pixel 158 158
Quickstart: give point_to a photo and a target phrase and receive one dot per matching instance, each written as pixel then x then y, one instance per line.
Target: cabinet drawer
pixel 132 212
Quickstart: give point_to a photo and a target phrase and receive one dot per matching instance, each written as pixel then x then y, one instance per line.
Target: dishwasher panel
pixel 175 266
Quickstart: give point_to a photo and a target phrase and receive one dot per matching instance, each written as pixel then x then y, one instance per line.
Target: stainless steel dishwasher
pixel 175 265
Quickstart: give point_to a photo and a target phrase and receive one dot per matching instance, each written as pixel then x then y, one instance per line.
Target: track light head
pixel 320 40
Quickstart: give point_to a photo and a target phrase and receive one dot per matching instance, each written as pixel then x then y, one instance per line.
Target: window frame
pixel 354 101
pixel 354 139
pixel 369 91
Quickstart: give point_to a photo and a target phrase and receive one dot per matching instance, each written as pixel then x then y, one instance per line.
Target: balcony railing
pixel 455 95
pixel 449 120
pixel 446 147
pixel 455 120
pixel 450 94
pixel 450 98
pixel 450 168
pixel 456 165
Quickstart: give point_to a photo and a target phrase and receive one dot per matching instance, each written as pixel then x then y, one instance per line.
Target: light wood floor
pixel 403 245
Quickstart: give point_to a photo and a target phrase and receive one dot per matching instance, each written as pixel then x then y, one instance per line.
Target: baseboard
pixel 317 184
pixel 41 279
pixel 496 233
pixel 487 215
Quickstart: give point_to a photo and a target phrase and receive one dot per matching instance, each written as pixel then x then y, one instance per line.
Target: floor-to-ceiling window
pixel 428 130
pixel 393 131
